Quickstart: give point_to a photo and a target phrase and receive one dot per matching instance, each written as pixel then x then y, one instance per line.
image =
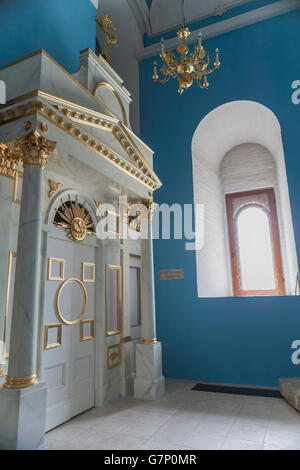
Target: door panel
pixel 68 369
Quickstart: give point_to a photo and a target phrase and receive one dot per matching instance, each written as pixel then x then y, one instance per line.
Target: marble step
pixel 290 390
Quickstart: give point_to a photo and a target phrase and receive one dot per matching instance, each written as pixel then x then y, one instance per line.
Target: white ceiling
pixel 167 14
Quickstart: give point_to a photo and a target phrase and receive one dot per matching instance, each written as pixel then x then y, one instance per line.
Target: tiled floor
pixel 183 420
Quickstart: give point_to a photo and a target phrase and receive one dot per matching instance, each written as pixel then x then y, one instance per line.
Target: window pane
pixel 255 250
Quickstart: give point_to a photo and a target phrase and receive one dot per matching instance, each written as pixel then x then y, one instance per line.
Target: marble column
pixel 127 364
pixel 149 383
pixel 9 160
pixel 27 406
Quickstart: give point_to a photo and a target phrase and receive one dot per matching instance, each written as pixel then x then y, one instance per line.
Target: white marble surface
pixel 22 418
pixel 149 383
pixel 147 287
pixel 6 189
pixel 23 347
pixel 184 420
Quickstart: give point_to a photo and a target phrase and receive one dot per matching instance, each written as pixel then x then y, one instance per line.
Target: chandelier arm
pixel 172 62
pixel 199 83
pixel 208 72
pixel 164 80
pixel 197 75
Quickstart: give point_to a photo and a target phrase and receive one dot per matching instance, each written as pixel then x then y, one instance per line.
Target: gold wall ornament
pixel 84 275
pixel 17 178
pixel 34 149
pixel 91 335
pixel 98 205
pixel 44 127
pixel 113 354
pixel 57 343
pixel 150 206
pixel 110 32
pixel 2 374
pixel 85 300
pixel 54 277
pixel 9 160
pixel 189 66
pixel 27 125
pixel 20 382
pixel 54 187
pixel 11 255
pixel 115 227
pixel 119 299
pixel 76 219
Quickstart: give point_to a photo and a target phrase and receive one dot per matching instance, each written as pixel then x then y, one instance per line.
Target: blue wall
pixel 62 27
pixel 232 340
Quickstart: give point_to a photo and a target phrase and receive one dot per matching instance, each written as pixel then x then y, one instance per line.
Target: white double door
pixel 68 359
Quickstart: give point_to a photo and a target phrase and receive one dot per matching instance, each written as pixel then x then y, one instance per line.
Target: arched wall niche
pixel 237 147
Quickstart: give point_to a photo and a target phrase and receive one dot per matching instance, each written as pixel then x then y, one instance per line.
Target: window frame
pixel 275 242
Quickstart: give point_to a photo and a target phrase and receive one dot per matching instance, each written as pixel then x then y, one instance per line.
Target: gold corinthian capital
pixel 150 206
pixel 9 160
pixel 34 149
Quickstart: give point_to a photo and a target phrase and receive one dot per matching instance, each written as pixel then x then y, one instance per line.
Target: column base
pixel 149 383
pixel 127 369
pixel 22 418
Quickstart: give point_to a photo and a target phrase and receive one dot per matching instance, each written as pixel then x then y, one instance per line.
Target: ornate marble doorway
pixel 68 362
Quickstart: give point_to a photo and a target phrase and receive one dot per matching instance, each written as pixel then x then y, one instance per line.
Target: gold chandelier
pixel 190 66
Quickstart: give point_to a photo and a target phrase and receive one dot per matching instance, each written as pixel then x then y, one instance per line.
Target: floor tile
pixel 283 439
pixel 203 441
pixel 239 444
pixel 183 420
pixel 248 430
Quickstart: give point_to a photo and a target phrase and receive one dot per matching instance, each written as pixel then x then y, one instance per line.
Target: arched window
pixel 238 159
pixel 254 243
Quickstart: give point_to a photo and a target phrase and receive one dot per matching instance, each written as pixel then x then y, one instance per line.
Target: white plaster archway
pixel 223 129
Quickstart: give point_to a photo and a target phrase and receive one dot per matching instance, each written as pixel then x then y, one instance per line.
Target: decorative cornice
pixel 221 27
pixel 9 160
pixel 34 149
pixel 66 116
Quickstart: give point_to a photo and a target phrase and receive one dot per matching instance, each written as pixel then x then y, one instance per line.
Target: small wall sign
pixel 171 274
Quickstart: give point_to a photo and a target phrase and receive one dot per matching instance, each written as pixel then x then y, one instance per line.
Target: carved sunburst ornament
pixel 75 219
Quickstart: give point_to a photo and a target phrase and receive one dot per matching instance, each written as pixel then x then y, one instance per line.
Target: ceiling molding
pixel 225 26
pixel 141 14
pixel 192 12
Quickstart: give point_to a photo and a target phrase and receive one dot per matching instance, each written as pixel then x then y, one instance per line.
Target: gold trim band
pixel 21 382
pixel 148 341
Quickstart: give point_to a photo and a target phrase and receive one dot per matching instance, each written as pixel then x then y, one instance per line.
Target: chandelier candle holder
pixel 190 66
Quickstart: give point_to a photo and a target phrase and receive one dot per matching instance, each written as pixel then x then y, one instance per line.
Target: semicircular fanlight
pixel 75 218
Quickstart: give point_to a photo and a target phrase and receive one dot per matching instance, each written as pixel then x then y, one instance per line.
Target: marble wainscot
pixel 67 154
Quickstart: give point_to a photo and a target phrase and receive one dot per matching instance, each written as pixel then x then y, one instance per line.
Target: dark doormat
pixel 255 392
